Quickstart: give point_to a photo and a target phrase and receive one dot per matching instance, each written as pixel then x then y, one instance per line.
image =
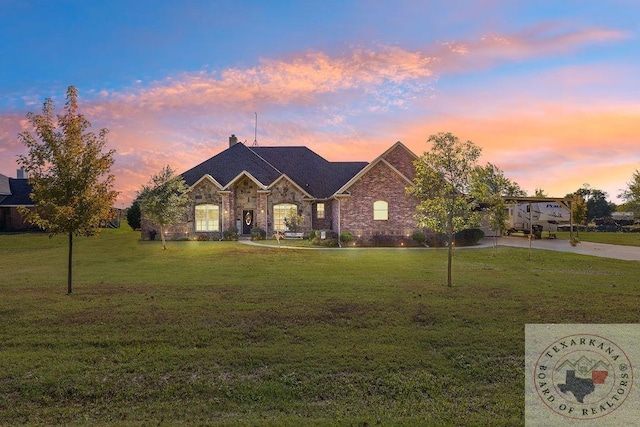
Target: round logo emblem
pixel 583 376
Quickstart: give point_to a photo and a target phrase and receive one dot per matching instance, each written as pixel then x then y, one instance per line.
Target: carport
pixel 565 202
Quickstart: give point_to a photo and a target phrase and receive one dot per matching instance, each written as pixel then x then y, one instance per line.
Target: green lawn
pixel 627 239
pixel 221 333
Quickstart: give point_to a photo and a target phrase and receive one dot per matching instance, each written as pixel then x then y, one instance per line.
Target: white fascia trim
pixel 284 176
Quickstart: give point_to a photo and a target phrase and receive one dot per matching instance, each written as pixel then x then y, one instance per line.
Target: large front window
pixel 207 218
pixel 280 212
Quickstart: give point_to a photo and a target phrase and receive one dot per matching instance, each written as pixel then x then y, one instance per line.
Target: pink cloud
pixel 557 147
pixel 187 118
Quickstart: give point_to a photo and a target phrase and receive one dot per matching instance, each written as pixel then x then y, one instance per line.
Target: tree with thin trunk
pixel 442 184
pixel 578 210
pixel 72 187
pixel 163 200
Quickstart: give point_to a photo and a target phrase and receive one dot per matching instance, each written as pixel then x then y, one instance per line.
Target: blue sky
pixel 548 89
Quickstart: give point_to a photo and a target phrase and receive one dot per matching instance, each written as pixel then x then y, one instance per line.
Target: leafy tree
pixel 490 186
pixel 596 202
pixel 539 192
pixel 163 200
pixel 597 205
pixel 69 173
pixel 579 208
pixel 631 195
pixel 442 184
pixel 133 215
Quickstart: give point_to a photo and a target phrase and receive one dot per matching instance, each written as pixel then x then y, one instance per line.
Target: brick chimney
pixel 233 140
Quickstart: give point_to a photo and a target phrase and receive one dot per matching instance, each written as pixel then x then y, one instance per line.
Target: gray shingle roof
pixel 226 165
pixel 19 193
pixel 317 176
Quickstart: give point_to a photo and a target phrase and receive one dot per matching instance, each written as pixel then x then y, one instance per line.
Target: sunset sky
pixel 549 89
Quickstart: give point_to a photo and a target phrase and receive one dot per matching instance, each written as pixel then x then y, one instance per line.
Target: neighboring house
pixel 246 187
pixel 14 192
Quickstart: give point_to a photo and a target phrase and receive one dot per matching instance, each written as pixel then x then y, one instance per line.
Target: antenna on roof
pixel 255 140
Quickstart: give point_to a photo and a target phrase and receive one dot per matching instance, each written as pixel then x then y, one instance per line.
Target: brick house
pixel 247 187
pixel 14 192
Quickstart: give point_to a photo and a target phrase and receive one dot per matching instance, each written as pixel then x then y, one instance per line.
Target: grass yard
pixel 627 239
pixel 221 333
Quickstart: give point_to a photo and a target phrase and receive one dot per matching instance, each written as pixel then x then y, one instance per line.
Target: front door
pixel 247 221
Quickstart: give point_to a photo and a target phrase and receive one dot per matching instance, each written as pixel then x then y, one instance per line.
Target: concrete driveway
pixel 628 253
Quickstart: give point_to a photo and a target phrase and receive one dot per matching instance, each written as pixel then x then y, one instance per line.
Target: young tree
pixel 69 173
pixel 631 195
pixel 442 184
pixel 163 200
pixel 579 208
pixel 490 186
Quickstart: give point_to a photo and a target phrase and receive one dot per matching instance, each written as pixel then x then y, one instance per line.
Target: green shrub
pixel 420 237
pixel 383 240
pixel 230 234
pixel 205 237
pixel 258 233
pixel 468 237
pixel 436 240
pixel 387 241
pixel 312 235
pixel 330 240
pixel 346 237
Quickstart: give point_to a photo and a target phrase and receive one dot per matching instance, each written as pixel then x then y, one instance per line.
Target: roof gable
pixel 311 173
pixel 401 158
pixel 228 164
pixel 284 177
pixel 209 178
pixel 5 189
pixel 19 193
pixel 399 154
pixel 366 170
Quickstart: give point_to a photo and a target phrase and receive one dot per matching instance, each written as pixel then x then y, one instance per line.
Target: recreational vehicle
pixel 537 216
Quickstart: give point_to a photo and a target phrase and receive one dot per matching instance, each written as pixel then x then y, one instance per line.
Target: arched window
pixel 280 212
pixel 380 210
pixel 207 218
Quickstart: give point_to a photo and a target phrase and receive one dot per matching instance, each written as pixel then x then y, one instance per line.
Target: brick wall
pixel 402 159
pixel 379 183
